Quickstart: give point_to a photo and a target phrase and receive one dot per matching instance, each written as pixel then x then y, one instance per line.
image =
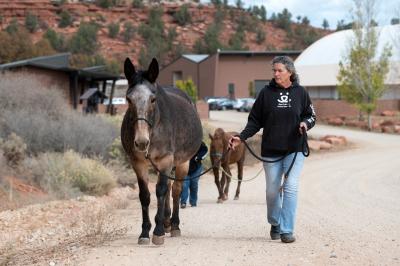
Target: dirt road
pixel 348 214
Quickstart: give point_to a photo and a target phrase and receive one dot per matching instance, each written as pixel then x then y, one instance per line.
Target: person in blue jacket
pixel 283 110
pixel 191 184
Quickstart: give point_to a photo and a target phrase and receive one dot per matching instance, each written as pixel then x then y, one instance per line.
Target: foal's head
pixel 141 96
pixel 218 144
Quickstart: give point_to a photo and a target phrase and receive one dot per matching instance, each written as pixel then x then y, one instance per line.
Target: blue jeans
pixel 281 209
pixel 191 186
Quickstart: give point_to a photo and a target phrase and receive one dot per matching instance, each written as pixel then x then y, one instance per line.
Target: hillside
pixel 236 27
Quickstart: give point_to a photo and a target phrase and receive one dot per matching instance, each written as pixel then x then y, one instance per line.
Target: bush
pixel 85 39
pixel 68 174
pixel 14 149
pixel 43 118
pixel 57 41
pixel 65 19
pixel 137 3
pixel 31 22
pixel 129 31
pixel 182 16
pixel 113 30
pixel 189 87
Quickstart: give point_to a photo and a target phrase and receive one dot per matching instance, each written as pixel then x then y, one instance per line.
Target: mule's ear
pixel 129 70
pixel 211 137
pixel 152 72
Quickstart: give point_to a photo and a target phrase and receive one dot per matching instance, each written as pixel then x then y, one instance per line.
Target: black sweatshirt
pixel 279 112
pixel 195 162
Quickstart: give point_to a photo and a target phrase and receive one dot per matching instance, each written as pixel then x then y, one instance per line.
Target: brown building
pixel 55 71
pixel 225 73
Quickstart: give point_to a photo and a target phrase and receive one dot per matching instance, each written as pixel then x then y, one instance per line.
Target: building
pixel 55 71
pixel 225 73
pixel 318 67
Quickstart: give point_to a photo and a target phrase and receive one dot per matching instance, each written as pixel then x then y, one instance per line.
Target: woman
pixel 191 183
pixel 283 109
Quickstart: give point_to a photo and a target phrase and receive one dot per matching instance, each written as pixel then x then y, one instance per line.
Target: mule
pixel 221 156
pixel 160 129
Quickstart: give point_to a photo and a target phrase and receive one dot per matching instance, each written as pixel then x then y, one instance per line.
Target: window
pixel 177 75
pixel 231 90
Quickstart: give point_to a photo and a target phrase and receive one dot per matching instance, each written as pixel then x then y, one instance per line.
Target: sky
pixel 332 10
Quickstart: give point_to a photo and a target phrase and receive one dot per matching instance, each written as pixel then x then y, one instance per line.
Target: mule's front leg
pixel 140 168
pixel 165 166
pixel 161 192
pixel 167 210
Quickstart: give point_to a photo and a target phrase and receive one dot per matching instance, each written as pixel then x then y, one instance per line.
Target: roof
pixel 318 65
pixel 255 53
pixel 90 92
pixel 60 62
pixel 195 57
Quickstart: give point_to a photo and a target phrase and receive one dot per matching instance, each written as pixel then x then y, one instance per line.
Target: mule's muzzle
pixel 142 144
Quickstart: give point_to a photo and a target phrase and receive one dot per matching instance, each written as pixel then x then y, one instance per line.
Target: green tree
pixel 129 32
pixel 263 14
pixel 189 87
pixel 31 22
pixel 13 26
pixel 325 24
pixel 361 77
pixel 283 20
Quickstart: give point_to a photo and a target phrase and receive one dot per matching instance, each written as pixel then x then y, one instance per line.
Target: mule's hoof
pixel 225 197
pixel 220 200
pixel 236 198
pixel 167 229
pixel 176 233
pixel 143 241
pixel 157 240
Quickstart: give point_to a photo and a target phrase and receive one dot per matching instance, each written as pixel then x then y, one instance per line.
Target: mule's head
pixel 141 97
pixel 217 146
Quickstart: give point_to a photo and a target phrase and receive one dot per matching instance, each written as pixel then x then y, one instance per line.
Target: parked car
pixel 225 104
pixel 115 101
pixel 213 103
pixel 244 104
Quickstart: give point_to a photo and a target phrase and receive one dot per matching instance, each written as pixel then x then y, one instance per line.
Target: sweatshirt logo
pixel 284 101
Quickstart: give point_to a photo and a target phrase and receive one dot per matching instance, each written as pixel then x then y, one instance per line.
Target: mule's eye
pixel 153 99
pixel 129 100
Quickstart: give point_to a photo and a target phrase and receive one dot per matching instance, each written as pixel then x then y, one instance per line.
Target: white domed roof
pixel 318 65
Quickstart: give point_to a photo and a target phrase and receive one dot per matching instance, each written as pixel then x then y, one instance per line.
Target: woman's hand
pixel 233 142
pixel 303 125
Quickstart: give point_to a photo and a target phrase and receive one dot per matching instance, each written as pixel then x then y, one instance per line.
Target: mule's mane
pixel 139 78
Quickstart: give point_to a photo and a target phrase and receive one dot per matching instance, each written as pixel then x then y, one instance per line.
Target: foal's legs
pixel 219 185
pixel 240 177
pixel 227 175
pixel 180 173
pixel 140 169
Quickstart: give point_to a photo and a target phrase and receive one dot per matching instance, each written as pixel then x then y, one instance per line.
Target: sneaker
pixel 183 205
pixel 287 238
pixel 275 232
pixel 193 205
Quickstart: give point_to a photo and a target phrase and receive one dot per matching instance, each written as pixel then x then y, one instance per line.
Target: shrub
pixel 189 87
pixel 260 36
pixel 137 3
pixel 113 30
pixel 14 149
pixel 56 40
pixel 65 19
pixel 85 39
pixel 31 22
pixel 129 32
pixel 182 16
pixel 67 174
pixel 43 118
